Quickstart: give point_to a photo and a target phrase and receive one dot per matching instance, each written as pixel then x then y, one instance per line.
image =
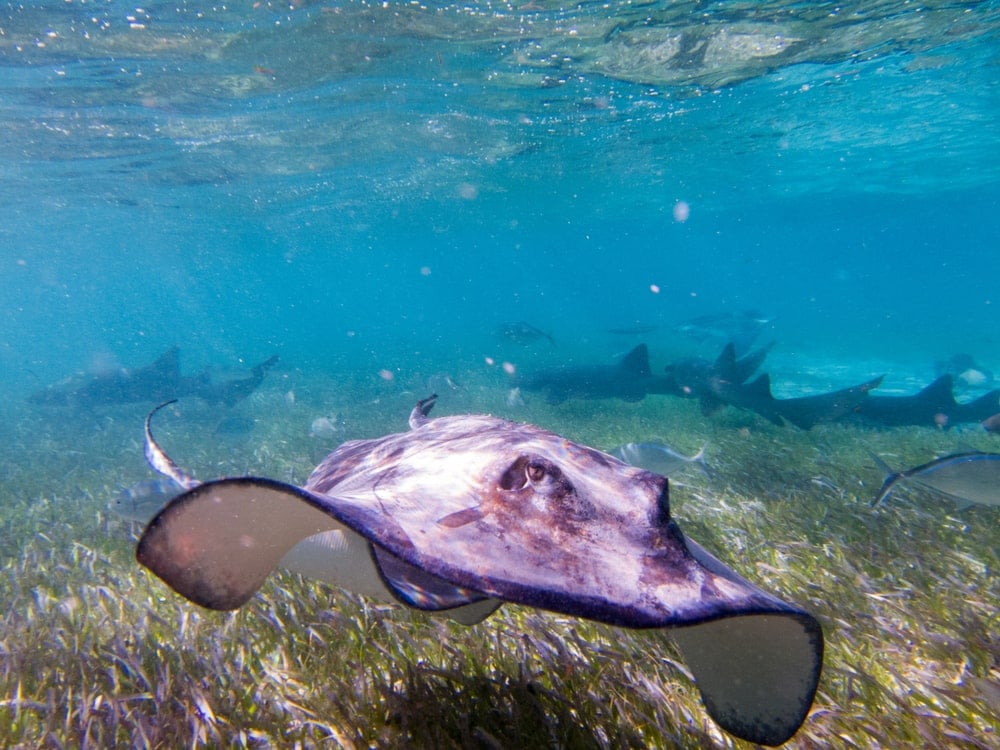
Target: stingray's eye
pixel 515 477
pixel 535 472
pixel 529 471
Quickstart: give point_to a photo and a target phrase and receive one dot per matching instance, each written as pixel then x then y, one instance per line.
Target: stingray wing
pixel 755 658
pixel 217 543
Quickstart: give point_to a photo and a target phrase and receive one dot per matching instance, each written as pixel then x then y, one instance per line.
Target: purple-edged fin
pixel 217 543
pixel 757 673
pixel 419 589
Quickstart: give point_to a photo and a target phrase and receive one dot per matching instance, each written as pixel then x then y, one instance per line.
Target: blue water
pixel 359 186
pixel 370 189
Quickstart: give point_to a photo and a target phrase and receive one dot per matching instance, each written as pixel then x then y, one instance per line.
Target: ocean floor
pixel 96 652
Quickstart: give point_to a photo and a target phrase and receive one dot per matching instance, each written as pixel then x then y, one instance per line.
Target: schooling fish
pixel 965 478
pixel 463 513
pixel 659 458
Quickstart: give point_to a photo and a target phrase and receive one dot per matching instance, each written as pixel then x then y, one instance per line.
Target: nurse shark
pixel 718 383
pixel 725 381
pixel 463 513
pixel 155 382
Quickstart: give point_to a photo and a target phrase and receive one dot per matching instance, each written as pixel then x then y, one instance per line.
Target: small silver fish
pixel 143 500
pixel 965 478
pixel 523 333
pixel 325 427
pixel 659 458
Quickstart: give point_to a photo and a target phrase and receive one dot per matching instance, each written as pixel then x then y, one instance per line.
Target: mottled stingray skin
pixel 470 511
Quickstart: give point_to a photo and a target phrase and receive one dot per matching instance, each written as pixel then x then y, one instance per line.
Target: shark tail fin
pixel 168 363
pixel 882 465
pixel 760 386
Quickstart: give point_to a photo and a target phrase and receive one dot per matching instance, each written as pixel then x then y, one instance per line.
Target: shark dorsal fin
pixel 168 363
pixel 985 403
pixel 760 387
pixel 748 364
pixel 725 364
pixel 636 362
pixel 939 392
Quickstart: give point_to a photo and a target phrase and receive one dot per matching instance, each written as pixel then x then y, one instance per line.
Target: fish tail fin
pixel 882 465
pixel 890 480
pixel 699 458
pixel 885 490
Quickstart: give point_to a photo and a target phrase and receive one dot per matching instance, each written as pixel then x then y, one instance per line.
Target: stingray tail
pixel 159 461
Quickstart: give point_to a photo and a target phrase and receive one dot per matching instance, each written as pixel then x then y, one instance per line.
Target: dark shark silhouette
pixel 631 379
pixel 158 381
pixel 935 405
pixel 726 382
pixel 723 383
pixel 715 385
pixel 804 412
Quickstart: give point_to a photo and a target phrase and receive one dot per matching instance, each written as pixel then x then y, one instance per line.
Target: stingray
pixel 463 513
pixel 972 477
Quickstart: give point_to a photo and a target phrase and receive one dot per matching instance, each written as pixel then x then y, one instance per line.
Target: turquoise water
pixel 369 190
pixel 360 186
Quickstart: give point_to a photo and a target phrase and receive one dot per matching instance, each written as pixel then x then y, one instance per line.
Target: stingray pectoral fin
pixel 757 674
pixel 217 543
pixel 341 558
pixel 421 589
pixel 757 666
